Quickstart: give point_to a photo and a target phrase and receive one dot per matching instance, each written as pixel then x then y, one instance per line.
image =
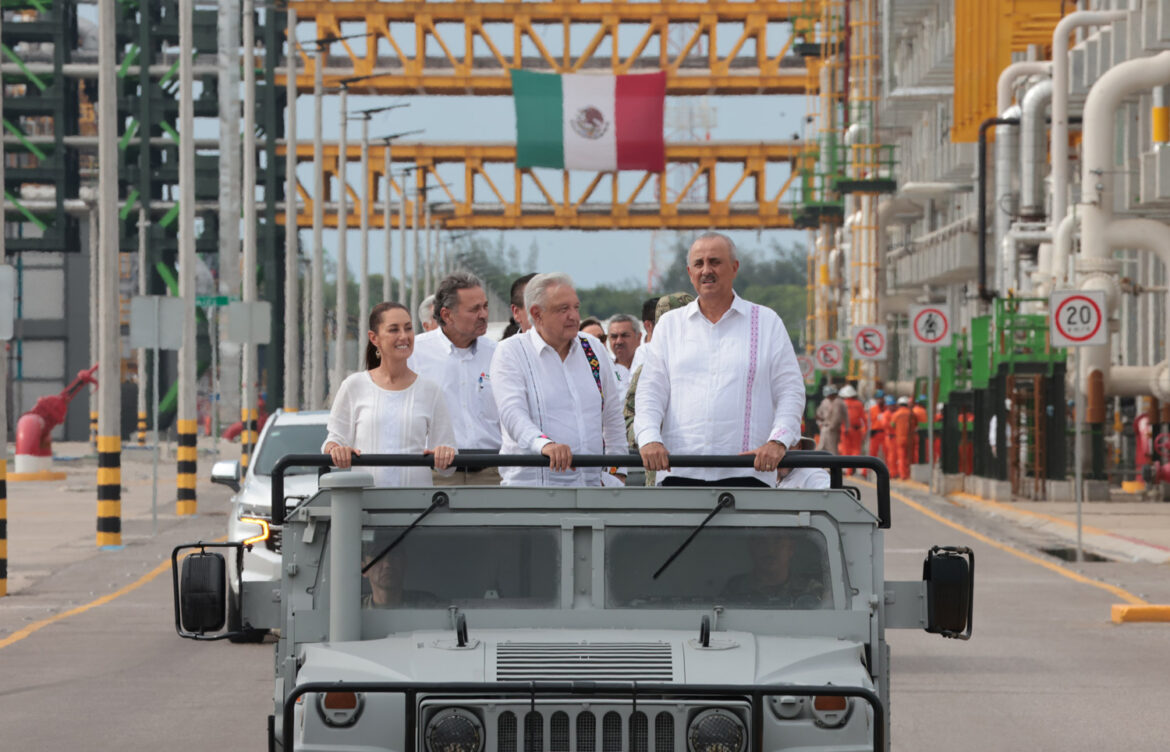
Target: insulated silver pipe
pixel 292 331
pixel 341 311
pixel 1034 148
pixel 1003 206
pixel 249 365
pixel 315 393
pixel 364 271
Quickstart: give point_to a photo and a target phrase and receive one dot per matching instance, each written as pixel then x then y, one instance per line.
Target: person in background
pixel 891 445
pixel 832 420
pixel 426 314
pixel 388 408
pixel 519 323
pixel 919 409
pixel 624 338
pixel 905 429
pixel 592 326
pixel 720 377
pixel 665 303
pixel 873 408
pixel 556 392
pixel 853 434
pixel 879 425
pixel 649 306
pixel 458 357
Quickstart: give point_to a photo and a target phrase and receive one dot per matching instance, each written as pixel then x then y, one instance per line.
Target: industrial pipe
pixel 1007 158
pixel 1060 118
pixel 1033 155
pixel 984 293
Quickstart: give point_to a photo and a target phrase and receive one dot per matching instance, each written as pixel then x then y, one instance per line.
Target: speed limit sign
pixel 1077 318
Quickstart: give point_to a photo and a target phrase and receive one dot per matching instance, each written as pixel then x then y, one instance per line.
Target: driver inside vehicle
pixel 385 579
pixel 785 571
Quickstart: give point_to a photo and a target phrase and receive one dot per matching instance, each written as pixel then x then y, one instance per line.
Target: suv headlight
pixel 717 730
pixel 454 730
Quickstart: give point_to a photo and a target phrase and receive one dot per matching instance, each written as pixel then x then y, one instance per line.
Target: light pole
pixel 292 280
pixel 386 220
pixel 341 311
pixel 248 362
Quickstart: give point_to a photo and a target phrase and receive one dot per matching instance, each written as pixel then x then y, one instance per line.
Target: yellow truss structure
pixel 515 198
pixel 469 53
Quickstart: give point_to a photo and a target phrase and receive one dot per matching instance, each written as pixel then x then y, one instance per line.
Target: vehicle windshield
pixel 437 567
pixel 303 438
pixel 736 567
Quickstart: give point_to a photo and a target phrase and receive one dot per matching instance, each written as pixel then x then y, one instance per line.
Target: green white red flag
pixel 586 121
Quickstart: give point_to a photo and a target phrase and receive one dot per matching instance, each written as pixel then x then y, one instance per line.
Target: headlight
pixel 260 536
pixel 717 730
pixel 454 730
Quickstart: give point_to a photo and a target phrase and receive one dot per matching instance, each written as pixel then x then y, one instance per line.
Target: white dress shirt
pixel 721 388
pixel 542 399
pixel 464 376
pixel 374 420
pixel 623 376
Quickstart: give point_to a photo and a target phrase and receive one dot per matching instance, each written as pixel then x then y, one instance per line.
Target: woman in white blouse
pixel 388 408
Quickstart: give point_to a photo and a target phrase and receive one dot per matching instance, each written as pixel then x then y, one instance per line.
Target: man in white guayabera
pixel 556 391
pixel 719 377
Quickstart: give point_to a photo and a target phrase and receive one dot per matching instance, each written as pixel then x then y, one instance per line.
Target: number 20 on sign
pixel 1077 318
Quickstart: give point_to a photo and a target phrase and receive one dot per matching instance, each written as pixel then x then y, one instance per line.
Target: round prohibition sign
pixel 869 342
pixel 829 355
pixel 1079 318
pixel 931 325
pixel 806 366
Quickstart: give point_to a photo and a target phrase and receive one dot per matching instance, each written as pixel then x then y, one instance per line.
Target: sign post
pixel 930 326
pixel 1077 319
pixel 156 322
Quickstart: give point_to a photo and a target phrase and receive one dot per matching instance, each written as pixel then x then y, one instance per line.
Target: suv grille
pixel 621 732
pixel 606 661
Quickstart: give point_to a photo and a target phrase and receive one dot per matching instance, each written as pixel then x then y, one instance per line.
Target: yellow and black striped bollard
pixel 109 491
pixel 141 429
pixel 93 429
pixel 187 455
pixel 3 527
pixel 247 437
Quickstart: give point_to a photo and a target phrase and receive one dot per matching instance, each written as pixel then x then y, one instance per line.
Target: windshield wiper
pixel 725 500
pixel 438 500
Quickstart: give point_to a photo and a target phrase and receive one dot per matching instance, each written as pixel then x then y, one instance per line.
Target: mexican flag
pixel 586 121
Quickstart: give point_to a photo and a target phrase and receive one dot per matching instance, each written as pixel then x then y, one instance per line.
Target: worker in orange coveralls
pixel 854 432
pixel 889 446
pixel 919 409
pixel 904 427
pixel 877 433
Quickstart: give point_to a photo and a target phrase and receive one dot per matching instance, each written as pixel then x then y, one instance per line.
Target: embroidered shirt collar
pixel 538 343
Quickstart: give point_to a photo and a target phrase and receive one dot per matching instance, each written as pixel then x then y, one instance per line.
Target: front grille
pixel 598 661
pixel 621 731
pixel 274 536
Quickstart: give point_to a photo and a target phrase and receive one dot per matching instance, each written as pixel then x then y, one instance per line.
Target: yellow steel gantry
pixel 472 51
pixel 530 200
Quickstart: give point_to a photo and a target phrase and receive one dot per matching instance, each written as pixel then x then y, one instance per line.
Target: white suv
pixel 284 433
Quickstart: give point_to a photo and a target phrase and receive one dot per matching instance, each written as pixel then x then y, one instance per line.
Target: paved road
pixel 1046 669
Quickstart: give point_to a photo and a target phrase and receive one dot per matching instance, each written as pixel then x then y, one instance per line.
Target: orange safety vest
pixel 904 424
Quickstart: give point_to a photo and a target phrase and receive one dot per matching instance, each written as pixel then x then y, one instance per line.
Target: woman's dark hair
pixel 372 356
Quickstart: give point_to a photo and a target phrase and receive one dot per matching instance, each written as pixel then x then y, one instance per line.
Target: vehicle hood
pixel 257 490
pixel 576 655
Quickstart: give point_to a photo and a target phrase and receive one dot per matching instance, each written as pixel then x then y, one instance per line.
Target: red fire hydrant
pixel 34 443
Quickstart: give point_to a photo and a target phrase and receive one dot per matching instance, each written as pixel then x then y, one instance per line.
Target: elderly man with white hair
pixel 556 392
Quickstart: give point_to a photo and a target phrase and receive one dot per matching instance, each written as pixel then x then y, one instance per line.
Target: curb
pixel 1124 614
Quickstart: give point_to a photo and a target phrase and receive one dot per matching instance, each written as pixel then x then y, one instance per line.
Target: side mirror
pixel 226 473
pixel 949 574
pixel 203 593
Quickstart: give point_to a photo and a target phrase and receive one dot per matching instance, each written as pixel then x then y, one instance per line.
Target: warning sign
pixel 807 368
pixel 828 356
pixel 1077 318
pixel 869 342
pixel 930 326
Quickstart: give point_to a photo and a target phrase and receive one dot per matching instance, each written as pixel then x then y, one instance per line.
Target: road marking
pixel 1125 595
pixel 37 626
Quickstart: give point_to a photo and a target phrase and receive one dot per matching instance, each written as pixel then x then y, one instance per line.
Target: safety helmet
pixel 848 391
pixel 903 400
pixel 889 399
pixel 879 394
pixel 829 390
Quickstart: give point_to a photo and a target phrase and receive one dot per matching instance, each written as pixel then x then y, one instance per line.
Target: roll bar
pixel 835 464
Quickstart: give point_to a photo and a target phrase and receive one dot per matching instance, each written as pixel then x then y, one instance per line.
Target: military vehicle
pixel 504 619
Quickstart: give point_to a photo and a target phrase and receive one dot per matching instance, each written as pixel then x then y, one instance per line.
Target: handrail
pixel 835 464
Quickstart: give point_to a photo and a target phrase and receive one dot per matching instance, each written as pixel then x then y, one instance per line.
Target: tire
pixel 245 636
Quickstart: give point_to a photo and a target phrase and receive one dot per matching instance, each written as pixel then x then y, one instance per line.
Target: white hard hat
pixel 903 400
pixel 848 391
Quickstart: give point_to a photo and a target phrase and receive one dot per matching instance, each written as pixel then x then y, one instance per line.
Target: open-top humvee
pixel 504 619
